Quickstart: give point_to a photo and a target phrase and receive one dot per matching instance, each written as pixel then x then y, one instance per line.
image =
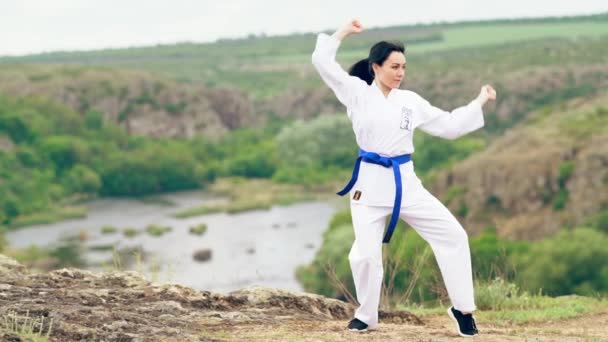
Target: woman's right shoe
pixel 357 325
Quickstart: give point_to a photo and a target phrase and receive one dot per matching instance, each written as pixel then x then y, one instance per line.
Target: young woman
pixel 384 183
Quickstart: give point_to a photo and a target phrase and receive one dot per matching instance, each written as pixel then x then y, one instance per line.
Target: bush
pixel 565 171
pixel 255 161
pixel 149 170
pixel 28 157
pixel 16 127
pixel 601 221
pixel 93 120
pixel 64 151
pixel 174 171
pixel 128 177
pixel 432 152
pixel 81 179
pixel 10 208
pixel 572 261
pixel 491 256
pixel 325 141
pixel 560 199
pixel 495 295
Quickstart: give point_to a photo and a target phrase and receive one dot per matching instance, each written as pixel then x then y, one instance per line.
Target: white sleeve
pixel 451 125
pixel 345 86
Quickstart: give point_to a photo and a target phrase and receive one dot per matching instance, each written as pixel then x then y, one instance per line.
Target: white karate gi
pixel 385 125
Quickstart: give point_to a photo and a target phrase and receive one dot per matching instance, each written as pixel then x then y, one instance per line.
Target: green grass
pixel 108 230
pixel 584 124
pixel 50 216
pixel 198 211
pixel 527 309
pixel 482 35
pixel 198 229
pixel 542 308
pixel 130 232
pixel 29 254
pixel 102 248
pixel 242 205
pixel 231 208
pixel 157 230
pixel 254 194
pixel 503 303
pixel 26 327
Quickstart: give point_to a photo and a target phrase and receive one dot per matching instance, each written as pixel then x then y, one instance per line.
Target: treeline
pixel 51 155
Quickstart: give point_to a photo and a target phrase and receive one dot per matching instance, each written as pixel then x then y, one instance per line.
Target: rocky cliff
pixel 143 104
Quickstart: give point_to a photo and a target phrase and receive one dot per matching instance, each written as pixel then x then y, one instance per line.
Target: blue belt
pixel 394 162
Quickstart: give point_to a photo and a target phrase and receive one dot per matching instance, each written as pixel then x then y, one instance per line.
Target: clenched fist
pixel 486 94
pixel 352 27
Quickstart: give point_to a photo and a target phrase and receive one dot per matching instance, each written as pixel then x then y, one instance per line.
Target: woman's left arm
pixel 460 121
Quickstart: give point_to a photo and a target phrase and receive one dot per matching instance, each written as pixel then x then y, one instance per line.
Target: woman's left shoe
pixel 465 324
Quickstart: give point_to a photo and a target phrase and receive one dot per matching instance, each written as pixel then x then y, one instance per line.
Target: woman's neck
pixel 385 90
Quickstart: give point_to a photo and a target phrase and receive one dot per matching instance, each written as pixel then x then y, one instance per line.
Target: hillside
pixel 534 74
pixel 549 172
pixel 184 89
pixel 143 104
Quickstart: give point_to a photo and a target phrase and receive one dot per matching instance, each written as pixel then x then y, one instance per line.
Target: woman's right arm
pixel 341 83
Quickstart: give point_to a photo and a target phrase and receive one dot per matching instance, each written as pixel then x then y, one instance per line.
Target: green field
pixel 483 35
pixel 196 62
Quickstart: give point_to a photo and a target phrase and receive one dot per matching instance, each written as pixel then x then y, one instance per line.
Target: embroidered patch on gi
pixel 406 118
pixel 357 195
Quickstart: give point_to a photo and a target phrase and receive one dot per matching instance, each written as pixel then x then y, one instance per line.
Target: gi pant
pixel 435 224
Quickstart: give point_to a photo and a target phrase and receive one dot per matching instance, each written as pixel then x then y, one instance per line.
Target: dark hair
pixel 377 54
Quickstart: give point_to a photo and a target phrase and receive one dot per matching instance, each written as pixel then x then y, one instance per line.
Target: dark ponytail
pixel 362 70
pixel 377 54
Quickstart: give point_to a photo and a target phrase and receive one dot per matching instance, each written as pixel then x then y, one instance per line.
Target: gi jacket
pixel 386 125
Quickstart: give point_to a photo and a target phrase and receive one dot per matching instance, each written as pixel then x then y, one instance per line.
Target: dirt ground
pixel 435 328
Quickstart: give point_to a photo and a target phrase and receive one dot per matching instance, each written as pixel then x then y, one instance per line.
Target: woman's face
pixel 392 71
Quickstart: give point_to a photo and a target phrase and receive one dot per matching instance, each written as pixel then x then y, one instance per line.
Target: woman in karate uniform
pixel 384 183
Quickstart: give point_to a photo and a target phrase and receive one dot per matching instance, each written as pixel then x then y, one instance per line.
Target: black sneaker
pixel 464 323
pixel 357 325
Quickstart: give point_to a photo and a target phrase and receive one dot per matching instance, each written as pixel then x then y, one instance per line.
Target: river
pixel 260 247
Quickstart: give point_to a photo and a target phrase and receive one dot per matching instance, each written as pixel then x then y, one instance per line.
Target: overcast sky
pixel 32 26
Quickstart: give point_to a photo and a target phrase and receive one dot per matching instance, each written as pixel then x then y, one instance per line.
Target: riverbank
pixel 235 195
pixel 243 194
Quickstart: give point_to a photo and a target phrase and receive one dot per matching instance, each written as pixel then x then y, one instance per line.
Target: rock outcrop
pixel 81 305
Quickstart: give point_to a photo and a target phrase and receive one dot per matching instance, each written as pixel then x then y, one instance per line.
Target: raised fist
pixel 353 26
pixel 486 94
